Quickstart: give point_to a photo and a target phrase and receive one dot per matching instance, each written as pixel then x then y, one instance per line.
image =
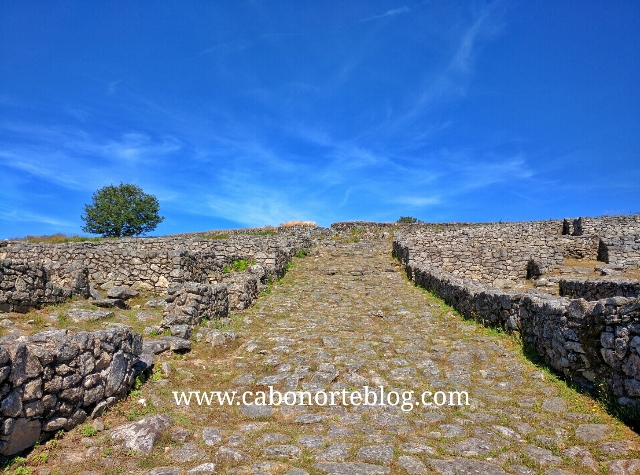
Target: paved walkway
pixel 343 318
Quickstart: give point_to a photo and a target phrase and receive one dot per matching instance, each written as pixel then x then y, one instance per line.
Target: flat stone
pixel 334 453
pixel 271 438
pixel 460 466
pixel 592 432
pixel 256 410
pixel 110 303
pixel 412 465
pixel 376 453
pixel 582 456
pixel 203 469
pixel 351 468
pixel 121 292
pixel 164 471
pixel 541 456
pixel 555 404
pixel 231 456
pixel 187 455
pixel 79 315
pixel 311 441
pixel 288 451
pixel 140 436
pixel 624 467
pixel 472 447
pixel 176 343
pixel 211 436
pixel 23 435
pixel 155 346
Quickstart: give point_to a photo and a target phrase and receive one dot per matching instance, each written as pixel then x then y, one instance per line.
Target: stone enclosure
pixel 511 275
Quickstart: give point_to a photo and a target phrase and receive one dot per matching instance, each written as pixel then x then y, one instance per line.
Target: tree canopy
pixel 119 211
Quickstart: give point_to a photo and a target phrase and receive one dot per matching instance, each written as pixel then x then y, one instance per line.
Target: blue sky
pixel 240 114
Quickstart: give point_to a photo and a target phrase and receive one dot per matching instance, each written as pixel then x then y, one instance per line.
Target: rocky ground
pixel 346 317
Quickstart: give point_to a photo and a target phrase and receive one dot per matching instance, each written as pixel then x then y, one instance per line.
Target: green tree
pixel 123 210
pixel 407 219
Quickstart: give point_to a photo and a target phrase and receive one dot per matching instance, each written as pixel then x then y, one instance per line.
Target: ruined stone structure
pixel 593 337
pixel 54 380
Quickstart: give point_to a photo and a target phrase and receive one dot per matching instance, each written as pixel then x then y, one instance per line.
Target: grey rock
pixel 256 410
pixel 231 456
pixel 592 432
pixel 24 434
pixel 460 466
pixel 287 451
pixel 271 438
pixel 541 456
pixel 164 471
pixel 121 292
pixel 155 346
pixel 334 453
pixel 140 436
pixel 311 441
pixel 187 454
pixel 78 315
pixel 110 303
pixel 472 447
pixel 203 469
pixel 351 468
pixel 555 404
pixel 211 436
pixel 376 453
pixel 181 331
pixel 177 343
pixel 412 465
pixel 624 467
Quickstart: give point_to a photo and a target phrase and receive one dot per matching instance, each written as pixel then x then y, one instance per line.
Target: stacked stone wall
pixel 596 289
pixel 621 250
pixel 151 263
pixel 54 380
pixel 604 226
pixel 585 341
pixel 30 284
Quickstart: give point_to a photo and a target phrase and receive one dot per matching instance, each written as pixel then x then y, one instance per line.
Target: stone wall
pixel 621 250
pixel 29 284
pixel 54 380
pixel 604 226
pixel 596 289
pixel 585 341
pixel 147 263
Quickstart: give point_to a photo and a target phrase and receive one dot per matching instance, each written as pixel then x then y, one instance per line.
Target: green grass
pixel 266 232
pixel 216 236
pixel 58 238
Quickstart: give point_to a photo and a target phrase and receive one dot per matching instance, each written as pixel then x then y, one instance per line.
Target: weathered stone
pixel 23 435
pixel 140 436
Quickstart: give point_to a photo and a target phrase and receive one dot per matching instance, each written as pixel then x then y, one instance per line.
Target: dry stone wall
pixel 585 341
pixel 24 285
pixel 150 264
pixel 596 289
pixel 54 380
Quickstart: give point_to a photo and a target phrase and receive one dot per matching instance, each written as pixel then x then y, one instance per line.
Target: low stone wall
pixel 621 250
pixel 585 341
pixel 596 289
pixel 604 226
pixel 24 285
pixel 191 302
pixel 479 254
pixel 141 263
pixel 54 380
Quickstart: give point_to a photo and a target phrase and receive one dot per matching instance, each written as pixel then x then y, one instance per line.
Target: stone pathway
pixel 343 318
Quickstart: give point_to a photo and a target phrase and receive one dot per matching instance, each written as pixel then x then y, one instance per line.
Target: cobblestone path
pixel 343 318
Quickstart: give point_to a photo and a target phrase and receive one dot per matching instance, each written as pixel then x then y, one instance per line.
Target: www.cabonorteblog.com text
pixel 406 400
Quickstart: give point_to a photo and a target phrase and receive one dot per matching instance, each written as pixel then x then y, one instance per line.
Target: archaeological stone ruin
pixel 582 319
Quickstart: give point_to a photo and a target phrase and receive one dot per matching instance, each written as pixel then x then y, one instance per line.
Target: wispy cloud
pixel 391 13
